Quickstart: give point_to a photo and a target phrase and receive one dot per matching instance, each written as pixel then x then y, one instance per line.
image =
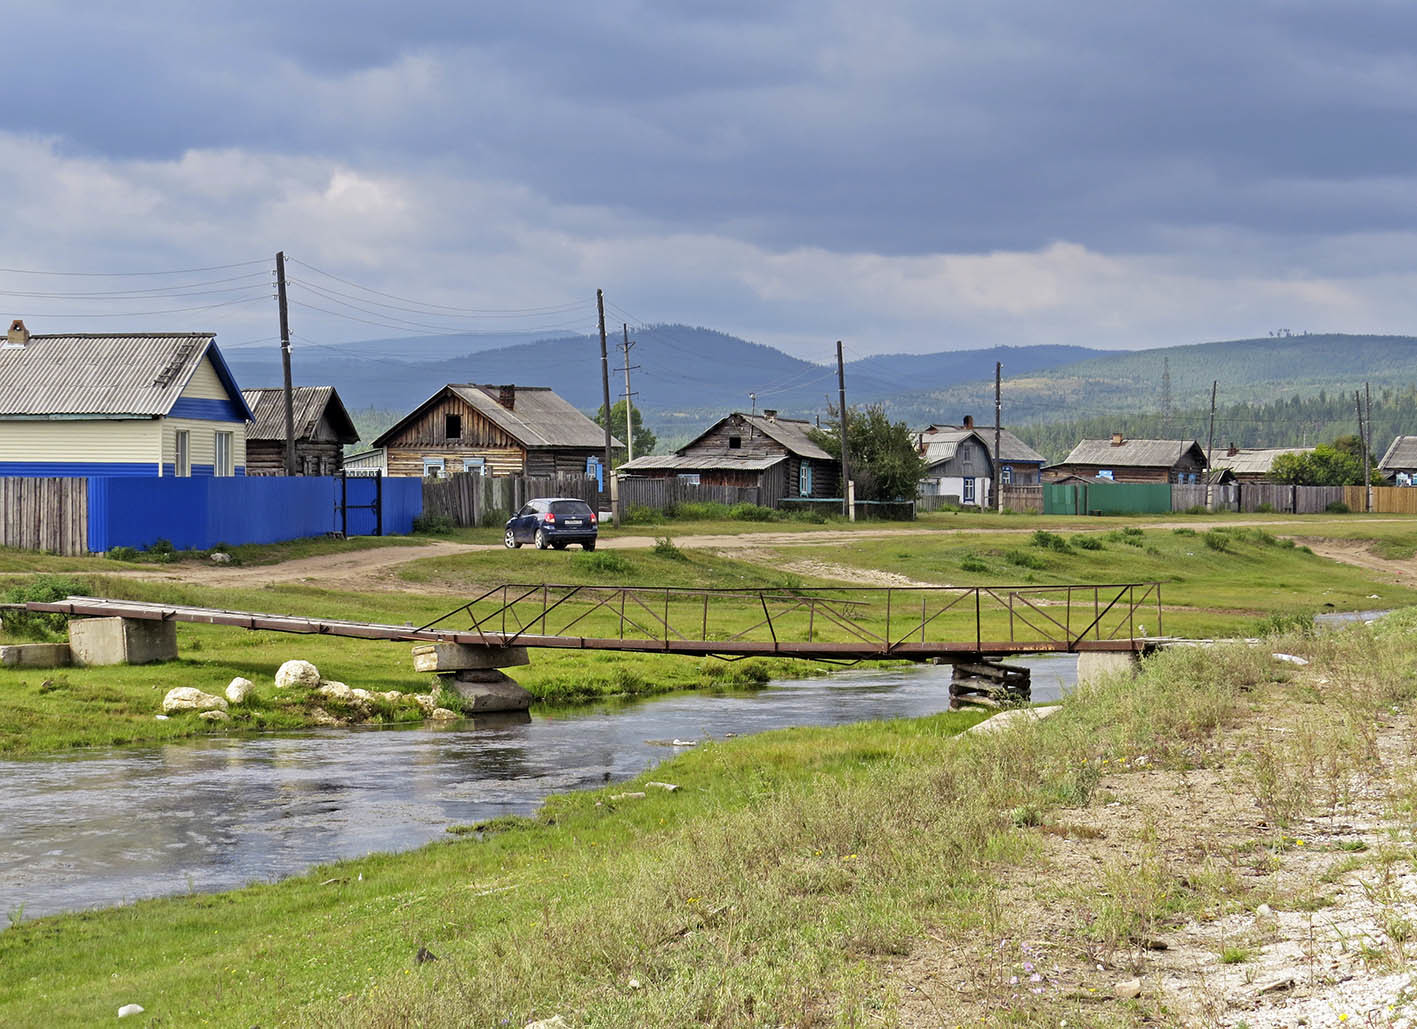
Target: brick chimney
pixel 770 414
pixel 18 335
pixel 1232 451
pixel 507 397
pixel 1117 440
pixel 969 421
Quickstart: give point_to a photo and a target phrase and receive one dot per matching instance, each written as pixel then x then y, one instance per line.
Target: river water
pixel 109 827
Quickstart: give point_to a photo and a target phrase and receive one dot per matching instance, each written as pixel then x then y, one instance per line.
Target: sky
pixel 905 176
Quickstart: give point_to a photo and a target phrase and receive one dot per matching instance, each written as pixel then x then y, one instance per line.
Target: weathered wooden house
pixel 90 404
pixel 1133 460
pixel 493 430
pixel 322 430
pixel 1399 464
pixel 960 462
pixel 765 451
pixel 1248 464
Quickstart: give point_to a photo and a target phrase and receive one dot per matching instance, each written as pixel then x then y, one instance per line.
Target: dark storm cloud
pixel 901 128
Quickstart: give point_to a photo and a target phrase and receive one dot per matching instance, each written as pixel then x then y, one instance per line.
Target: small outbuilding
pixel 323 429
pixel 1399 464
pixel 1250 464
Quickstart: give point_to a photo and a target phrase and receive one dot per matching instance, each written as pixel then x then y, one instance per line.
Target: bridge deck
pixel 620 619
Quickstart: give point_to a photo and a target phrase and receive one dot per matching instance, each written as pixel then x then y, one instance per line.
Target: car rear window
pixel 572 508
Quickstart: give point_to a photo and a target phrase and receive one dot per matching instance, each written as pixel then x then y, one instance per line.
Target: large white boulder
pixel 238 690
pixel 336 691
pixel 297 673
pixel 189 698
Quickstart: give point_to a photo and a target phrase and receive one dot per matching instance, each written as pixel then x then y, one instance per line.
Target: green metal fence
pixel 1107 498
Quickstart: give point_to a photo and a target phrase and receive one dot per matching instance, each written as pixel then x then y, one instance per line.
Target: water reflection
pixel 119 825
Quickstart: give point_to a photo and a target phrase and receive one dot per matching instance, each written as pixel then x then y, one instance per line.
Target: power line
pixel 550 309
pixel 175 290
pixel 120 275
pixel 143 314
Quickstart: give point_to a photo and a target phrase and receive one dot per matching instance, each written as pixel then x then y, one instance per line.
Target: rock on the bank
pixel 443 714
pixel 297 673
pixel 238 690
pixel 319 716
pixel 189 698
pixel 214 715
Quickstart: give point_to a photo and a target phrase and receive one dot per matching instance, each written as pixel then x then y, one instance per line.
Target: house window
pixel 452 426
pixel 476 465
pixel 735 442
pixel 223 464
pixel 1006 475
pixel 969 491
pixel 804 480
pixel 688 478
pixel 182 453
pixel 433 467
pixel 1105 473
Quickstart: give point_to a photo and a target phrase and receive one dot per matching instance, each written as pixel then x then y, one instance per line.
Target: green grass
pixel 775 887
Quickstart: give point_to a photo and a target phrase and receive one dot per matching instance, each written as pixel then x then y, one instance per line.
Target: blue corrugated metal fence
pixel 198 514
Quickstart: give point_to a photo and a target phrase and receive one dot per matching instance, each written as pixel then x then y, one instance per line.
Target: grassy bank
pixel 778 885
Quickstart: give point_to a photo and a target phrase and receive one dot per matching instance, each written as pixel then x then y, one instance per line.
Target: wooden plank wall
pixel 48 515
pixel 467 498
pixel 1386 499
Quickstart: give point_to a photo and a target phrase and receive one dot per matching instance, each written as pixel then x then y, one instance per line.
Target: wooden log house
pixel 322 429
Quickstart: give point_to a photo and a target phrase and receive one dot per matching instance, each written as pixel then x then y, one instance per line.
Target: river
pixel 107 827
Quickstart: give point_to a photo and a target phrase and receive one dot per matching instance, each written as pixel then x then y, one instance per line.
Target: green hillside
pixel 1248 370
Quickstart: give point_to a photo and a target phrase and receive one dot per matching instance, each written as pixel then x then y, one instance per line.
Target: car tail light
pixel 593 518
pixel 550 517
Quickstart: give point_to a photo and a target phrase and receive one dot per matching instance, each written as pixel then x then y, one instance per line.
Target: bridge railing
pixel 885 621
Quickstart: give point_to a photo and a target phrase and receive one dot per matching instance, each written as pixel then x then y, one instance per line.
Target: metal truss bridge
pixel 828 624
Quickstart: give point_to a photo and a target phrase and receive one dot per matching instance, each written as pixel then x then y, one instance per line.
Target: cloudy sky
pixel 908 176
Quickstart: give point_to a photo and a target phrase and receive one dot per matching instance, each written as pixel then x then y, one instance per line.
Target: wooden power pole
pixel 841 399
pixel 629 401
pixel 290 467
pixel 1210 440
pixel 605 388
pixel 998 432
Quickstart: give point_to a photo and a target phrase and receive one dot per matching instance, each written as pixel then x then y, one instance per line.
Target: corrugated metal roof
pixel 132 374
pixel 1011 448
pixel 696 462
pixel 539 418
pixel 1131 453
pixel 1401 455
pixel 1253 461
pixel 268 413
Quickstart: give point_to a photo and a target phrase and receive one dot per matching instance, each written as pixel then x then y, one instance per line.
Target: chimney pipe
pixel 969 421
pixel 1232 451
pixel 507 397
pixel 770 414
pixel 1117 439
pixel 18 335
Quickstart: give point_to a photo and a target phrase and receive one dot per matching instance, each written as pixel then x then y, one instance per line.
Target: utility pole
pixel 846 498
pixel 1362 440
pixel 1166 396
pixel 1210 440
pixel 629 403
pixel 285 364
pixel 605 389
pixel 1368 448
pixel 998 432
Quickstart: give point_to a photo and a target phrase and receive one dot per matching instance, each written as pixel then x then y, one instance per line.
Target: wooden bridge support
pixel 987 683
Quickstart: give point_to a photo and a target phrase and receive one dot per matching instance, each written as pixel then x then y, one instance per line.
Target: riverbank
pixel 1229 579
pixel 840 876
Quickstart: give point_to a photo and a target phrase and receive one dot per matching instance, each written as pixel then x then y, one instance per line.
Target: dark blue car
pixel 553 522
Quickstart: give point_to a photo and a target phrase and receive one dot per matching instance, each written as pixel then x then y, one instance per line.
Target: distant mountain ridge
pixel 685 376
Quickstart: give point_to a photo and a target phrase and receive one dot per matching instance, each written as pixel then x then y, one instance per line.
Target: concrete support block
pixel 122 641
pixel 35 655
pixel 1097 664
pixel 486 690
pixel 457 657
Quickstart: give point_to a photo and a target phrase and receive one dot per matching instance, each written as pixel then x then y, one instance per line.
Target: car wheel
pixel 588 546
pixel 542 540
pixel 511 540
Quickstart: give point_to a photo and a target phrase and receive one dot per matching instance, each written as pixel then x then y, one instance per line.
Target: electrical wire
pixel 143 314
pixel 493 312
pixel 140 294
pixel 407 322
pixel 119 275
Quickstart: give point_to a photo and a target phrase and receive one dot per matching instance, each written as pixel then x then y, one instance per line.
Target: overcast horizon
pixel 908 177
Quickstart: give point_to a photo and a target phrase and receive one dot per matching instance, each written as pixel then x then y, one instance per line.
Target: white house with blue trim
pixel 159 404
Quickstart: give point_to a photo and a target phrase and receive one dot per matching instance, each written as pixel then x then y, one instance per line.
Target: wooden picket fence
pixel 48 515
pixel 469 498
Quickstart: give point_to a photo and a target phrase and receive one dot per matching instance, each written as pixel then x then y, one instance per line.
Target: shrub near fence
pixel 469 498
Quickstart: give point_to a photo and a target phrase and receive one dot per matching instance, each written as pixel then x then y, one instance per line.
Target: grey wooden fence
pixel 50 515
pixel 1023 498
pixel 1251 496
pixel 469 498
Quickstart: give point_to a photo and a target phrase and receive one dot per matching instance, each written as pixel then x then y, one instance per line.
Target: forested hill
pixel 1247 369
pixel 1295 422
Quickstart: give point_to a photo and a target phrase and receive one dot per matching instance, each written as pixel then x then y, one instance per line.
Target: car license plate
pixel 572 523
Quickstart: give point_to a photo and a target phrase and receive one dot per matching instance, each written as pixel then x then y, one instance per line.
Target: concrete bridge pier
pixel 475 674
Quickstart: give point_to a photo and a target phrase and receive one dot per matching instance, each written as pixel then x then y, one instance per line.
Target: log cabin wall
pixel 267 457
pixel 475 438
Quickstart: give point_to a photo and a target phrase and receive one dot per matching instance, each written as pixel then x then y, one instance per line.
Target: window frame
pixel 182 453
pixel 224 453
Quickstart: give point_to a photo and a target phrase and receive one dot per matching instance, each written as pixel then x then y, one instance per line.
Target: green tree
pixel 884 462
pixel 1325 465
pixel 644 438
